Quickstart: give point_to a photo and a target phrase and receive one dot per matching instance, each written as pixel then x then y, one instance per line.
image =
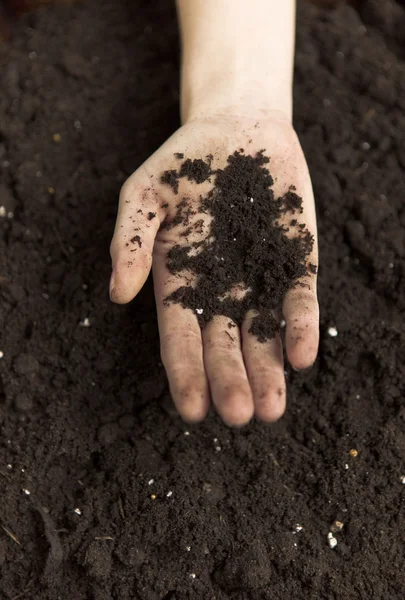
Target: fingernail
pixel 112 282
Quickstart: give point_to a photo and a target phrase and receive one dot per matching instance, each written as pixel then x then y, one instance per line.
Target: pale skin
pixel 236 92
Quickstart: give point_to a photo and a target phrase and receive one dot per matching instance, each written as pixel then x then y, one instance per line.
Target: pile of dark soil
pixel 126 502
pixel 253 251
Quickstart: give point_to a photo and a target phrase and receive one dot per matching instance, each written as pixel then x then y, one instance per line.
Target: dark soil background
pixel 85 416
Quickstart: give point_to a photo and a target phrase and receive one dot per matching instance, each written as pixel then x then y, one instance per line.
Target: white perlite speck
pixel 188 548
pixel 3 211
pixel 199 311
pixel 218 448
pixel 251 200
pixel 26 492
pixel 169 494
pixel 186 433
pixel 332 331
pixel 403 479
pixel 332 541
pixel 282 324
pixel 151 481
pixel 1 354
pixel 77 511
pixel 193 575
pixel 85 322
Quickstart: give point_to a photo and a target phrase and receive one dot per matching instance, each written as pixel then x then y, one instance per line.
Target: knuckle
pixel 127 189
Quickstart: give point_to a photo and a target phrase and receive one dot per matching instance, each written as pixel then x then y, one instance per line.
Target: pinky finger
pixel 301 312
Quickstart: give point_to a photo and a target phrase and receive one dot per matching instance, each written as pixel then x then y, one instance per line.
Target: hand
pixel 242 377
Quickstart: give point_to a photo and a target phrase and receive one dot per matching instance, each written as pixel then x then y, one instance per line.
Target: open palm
pixel 239 374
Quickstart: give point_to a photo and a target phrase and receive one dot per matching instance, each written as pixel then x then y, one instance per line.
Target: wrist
pixel 223 94
pixel 236 55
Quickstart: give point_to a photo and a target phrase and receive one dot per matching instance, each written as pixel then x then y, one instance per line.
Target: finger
pixel 228 380
pixel 181 347
pixel 137 224
pixel 265 368
pixel 301 312
pixel 300 305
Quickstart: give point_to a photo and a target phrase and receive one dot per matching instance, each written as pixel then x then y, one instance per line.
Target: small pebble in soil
pixel 336 526
pixel 10 215
pixel 332 331
pixel 3 211
pixel 218 448
pixel 26 491
pixel 85 322
pixel 353 452
pixel 57 138
pixel 332 541
pixel 77 511
pixel 51 190
pixel 365 146
pixel 153 497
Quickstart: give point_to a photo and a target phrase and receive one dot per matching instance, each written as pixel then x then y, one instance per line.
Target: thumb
pixel 137 224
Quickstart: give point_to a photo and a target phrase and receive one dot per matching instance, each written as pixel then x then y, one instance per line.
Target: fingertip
pixel 271 406
pixel 192 402
pixel 235 408
pixel 302 354
pixel 128 278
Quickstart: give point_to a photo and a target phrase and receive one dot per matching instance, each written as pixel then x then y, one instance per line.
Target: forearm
pixel 238 56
